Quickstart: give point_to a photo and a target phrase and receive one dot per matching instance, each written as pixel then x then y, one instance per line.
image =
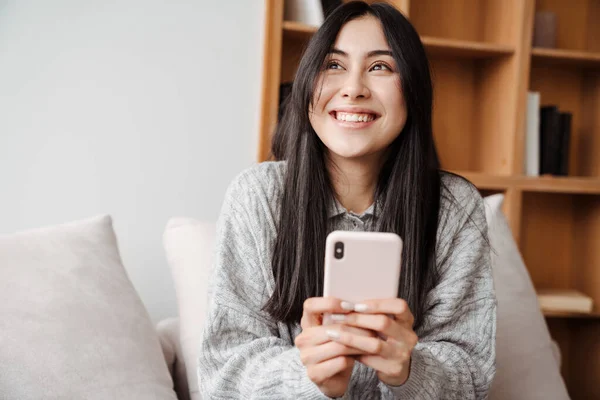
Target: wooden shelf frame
pixel 566 57
pixel 433 45
pixel 465 48
pixel 546 184
pixel 567 185
pixel 575 315
pixel 298 29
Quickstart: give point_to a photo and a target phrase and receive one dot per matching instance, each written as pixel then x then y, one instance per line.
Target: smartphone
pixel 362 266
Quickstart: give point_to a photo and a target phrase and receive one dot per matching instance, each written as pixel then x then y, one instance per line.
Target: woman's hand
pixel 328 364
pixel 389 356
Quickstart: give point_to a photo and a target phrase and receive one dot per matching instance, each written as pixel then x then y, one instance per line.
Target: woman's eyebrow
pixel 370 54
pixel 379 53
pixel 338 51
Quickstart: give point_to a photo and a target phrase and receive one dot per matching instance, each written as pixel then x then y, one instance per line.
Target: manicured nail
pixel 332 334
pixel 361 308
pixel 338 317
pixel 346 305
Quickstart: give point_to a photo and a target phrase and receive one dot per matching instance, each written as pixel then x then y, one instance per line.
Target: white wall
pixel 144 109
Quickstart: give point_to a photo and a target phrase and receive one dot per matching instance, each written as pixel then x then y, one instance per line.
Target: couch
pixel 97 339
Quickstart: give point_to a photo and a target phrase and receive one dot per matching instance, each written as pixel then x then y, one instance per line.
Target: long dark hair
pixel 408 188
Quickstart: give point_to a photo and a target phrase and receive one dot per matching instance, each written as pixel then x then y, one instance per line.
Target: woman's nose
pixel 354 87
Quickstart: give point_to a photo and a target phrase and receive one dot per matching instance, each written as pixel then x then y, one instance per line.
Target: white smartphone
pixel 362 266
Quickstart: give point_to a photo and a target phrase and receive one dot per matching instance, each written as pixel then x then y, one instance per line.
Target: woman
pixel 359 154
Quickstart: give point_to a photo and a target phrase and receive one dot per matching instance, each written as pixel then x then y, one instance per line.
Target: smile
pixel 353 120
pixel 350 117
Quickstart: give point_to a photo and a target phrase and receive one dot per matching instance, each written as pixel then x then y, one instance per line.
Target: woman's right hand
pixel 328 364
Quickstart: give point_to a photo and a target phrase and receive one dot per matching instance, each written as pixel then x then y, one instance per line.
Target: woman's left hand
pixel 390 356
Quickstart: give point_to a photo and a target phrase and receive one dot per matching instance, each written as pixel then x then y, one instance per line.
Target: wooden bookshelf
pixel 575 185
pixel 298 29
pixel 483 65
pixel 434 45
pixel 464 48
pixel 488 181
pixel 564 314
pixel 568 57
pixel 550 184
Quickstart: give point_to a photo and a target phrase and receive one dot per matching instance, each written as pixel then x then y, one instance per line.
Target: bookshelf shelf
pixel 567 57
pixel 544 184
pixel 483 66
pixel 433 45
pixel 564 314
pixel 465 48
pixel 487 181
pixel 298 29
pixel 574 185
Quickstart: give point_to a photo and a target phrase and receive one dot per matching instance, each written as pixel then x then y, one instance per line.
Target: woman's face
pixel 359 108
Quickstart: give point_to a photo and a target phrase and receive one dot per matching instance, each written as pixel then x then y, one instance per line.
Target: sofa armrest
pixel 168 334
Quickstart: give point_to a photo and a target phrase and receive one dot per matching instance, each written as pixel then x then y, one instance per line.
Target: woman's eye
pixel 380 67
pixel 333 65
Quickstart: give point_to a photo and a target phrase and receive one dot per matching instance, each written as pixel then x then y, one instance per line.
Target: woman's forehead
pixel 361 36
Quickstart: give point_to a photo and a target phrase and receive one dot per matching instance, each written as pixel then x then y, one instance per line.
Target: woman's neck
pixel 354 181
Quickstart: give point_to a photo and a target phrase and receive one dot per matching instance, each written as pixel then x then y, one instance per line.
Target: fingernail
pixel 360 308
pixel 332 334
pixel 346 305
pixel 338 317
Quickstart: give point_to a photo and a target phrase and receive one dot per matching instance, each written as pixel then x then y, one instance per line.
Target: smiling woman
pixel 360 108
pixel 356 152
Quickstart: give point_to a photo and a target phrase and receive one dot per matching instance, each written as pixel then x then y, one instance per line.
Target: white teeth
pixel 342 116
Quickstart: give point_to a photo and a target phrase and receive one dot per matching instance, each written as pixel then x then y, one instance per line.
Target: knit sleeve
pixel 455 355
pixel 242 354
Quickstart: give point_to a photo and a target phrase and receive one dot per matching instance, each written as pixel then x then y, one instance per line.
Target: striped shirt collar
pixel 336 208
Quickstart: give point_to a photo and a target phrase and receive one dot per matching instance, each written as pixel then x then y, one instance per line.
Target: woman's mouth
pixel 353 120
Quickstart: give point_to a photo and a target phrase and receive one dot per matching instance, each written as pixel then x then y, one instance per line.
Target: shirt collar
pixel 336 208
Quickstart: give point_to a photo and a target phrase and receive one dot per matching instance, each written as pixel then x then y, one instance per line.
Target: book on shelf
pixel 564 300
pixel 554 140
pixel 565 139
pixel 532 135
pixel 549 139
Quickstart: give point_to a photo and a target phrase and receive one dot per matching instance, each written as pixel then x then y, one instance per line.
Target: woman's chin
pixel 349 153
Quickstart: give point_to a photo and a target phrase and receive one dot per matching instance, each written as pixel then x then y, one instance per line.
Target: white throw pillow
pixel 189 247
pixel 71 324
pixel 526 366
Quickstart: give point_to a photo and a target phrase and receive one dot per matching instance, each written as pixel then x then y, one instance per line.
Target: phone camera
pixel 339 250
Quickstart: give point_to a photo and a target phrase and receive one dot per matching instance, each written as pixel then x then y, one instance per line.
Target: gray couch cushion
pixel 71 324
pixel 527 367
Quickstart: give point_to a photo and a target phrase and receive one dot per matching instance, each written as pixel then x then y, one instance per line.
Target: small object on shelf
pixel 554 141
pixel 550 140
pixel 564 300
pixel 544 29
pixel 309 12
pixel 532 135
pixel 565 139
